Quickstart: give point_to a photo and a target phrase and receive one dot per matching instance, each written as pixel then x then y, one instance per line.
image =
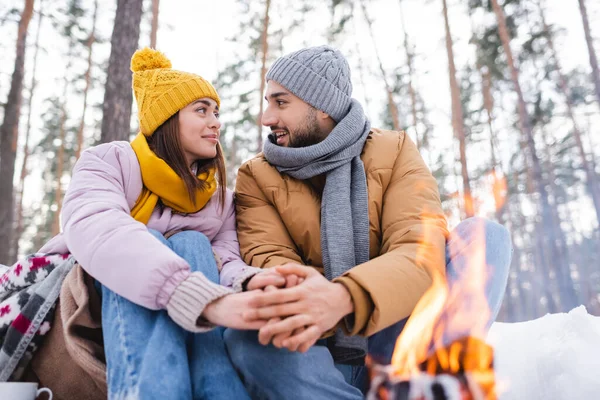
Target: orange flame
pixel 447 313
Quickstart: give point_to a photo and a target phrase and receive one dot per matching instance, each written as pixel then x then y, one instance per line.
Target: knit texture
pixel 318 75
pixel 189 300
pixel 160 91
pixel 344 204
pixel 162 183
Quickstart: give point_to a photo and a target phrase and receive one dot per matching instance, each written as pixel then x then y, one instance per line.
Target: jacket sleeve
pixel 234 271
pixel 117 250
pixel 264 239
pixel 414 230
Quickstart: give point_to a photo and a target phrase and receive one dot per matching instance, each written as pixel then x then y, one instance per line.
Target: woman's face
pixel 199 129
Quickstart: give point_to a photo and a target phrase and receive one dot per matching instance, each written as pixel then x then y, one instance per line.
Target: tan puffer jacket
pixel 278 220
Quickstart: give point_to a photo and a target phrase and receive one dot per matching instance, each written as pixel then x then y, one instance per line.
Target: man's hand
pixel 291 280
pixel 316 304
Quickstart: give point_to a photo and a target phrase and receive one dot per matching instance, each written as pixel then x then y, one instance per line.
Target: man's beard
pixel 307 134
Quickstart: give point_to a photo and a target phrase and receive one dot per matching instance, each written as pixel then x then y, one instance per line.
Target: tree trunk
pixel 549 235
pixel 393 108
pixel 116 110
pixel 518 309
pixel 9 133
pixel 411 89
pixel 361 69
pixel 61 149
pixel 499 182
pixel 232 161
pixel 264 38
pixel 546 272
pixel 458 118
pixel 154 25
pixel 590 45
pixel 488 103
pixel 19 226
pixel 60 165
pixel 590 143
pixel 537 291
pixel 592 180
pixel 88 75
pixel 565 275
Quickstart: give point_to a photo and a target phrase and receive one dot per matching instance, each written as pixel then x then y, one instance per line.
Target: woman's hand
pixel 227 311
pixel 271 277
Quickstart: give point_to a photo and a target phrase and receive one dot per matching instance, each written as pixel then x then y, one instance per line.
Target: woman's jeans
pixel 277 373
pixel 149 356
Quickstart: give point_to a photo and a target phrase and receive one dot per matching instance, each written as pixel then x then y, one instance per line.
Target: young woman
pixel 153 223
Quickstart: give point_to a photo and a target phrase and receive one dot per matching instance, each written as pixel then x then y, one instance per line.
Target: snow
pixel 553 357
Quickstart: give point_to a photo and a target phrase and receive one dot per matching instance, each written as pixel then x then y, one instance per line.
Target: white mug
pixel 22 391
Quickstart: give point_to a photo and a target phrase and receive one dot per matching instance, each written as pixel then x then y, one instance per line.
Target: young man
pixel 353 212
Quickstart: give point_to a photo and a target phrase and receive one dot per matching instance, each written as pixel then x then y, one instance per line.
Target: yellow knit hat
pixel 161 91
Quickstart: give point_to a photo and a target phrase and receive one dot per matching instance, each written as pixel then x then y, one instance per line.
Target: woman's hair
pixel 165 142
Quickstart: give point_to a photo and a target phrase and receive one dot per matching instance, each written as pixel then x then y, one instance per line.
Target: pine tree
pixel 89 43
pixel 264 49
pixel 590 46
pixel 458 118
pixel 24 170
pixel 9 133
pixel 154 23
pixel 393 107
pixel 118 99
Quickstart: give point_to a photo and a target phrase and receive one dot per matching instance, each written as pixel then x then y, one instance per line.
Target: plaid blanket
pixel 29 291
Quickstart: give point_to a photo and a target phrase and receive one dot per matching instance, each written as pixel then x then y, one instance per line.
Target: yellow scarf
pixel 161 182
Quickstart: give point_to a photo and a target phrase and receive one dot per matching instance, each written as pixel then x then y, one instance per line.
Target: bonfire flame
pixel 444 337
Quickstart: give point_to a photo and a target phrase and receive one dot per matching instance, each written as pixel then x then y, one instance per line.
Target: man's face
pixel 294 122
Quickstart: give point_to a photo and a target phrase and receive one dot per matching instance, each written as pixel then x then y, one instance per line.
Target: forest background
pixel 501 97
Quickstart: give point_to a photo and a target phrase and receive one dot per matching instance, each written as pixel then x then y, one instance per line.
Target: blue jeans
pixel 149 356
pixel 269 372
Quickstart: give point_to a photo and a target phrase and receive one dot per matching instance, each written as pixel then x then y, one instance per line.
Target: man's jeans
pixel 151 357
pixel 274 373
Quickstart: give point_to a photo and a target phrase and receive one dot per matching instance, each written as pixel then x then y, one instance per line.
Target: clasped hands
pixel 291 305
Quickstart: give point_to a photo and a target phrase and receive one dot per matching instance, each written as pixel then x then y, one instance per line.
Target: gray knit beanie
pixel 318 75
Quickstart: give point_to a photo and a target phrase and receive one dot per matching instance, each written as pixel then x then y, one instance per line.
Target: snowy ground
pixel 556 357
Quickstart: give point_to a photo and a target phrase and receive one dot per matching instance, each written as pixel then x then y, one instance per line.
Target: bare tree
pixel 89 43
pixel 457 118
pixel 411 89
pixel 592 180
pixel 9 133
pixel 154 27
pixel 500 191
pixel 24 171
pixel 591 51
pixel 116 110
pixel 549 236
pixel 264 39
pixel 393 107
pixel 61 160
pixel 488 104
pixel 361 68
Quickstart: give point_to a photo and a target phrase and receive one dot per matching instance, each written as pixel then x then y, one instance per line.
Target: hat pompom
pixel 147 58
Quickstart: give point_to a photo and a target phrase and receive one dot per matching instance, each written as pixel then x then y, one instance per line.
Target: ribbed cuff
pixel 238 282
pixel 356 322
pixel 189 300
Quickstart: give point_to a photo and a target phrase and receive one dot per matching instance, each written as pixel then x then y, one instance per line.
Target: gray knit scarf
pixel 344 204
